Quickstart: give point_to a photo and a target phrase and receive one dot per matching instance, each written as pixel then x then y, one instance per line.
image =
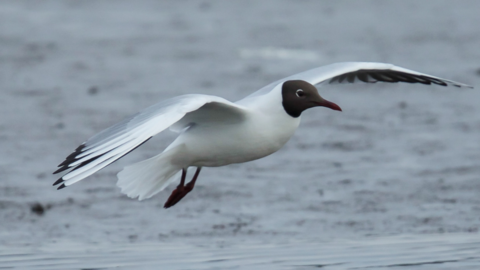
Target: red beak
pixel 328 104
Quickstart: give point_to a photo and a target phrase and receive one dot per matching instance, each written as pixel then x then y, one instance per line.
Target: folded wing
pixel 122 138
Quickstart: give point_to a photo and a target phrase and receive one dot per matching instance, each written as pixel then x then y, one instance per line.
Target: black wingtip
pixel 59 181
pixel 61 169
pixel 392 76
pixel 72 157
pixel 61 186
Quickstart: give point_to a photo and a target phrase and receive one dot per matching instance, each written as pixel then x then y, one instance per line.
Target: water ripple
pixel 444 251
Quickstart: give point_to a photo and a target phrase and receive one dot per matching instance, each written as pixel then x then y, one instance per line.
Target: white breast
pixel 265 129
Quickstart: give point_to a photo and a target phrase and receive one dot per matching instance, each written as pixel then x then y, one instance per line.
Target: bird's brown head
pixel 300 95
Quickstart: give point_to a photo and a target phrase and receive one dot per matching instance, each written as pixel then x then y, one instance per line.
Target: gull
pixel 215 132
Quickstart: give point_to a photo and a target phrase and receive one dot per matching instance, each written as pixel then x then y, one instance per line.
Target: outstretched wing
pixel 352 72
pixel 113 143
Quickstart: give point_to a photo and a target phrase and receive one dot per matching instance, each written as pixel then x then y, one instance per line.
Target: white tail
pixel 147 178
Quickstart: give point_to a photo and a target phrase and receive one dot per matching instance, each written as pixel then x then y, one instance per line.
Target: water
pixel 445 251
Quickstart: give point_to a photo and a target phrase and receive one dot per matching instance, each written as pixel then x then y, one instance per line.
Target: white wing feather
pixel 113 143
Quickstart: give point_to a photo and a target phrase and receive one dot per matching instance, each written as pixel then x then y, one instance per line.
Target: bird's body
pixel 215 132
pixel 258 133
pixel 252 139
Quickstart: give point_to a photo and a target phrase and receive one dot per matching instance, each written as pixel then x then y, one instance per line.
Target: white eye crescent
pixel 300 93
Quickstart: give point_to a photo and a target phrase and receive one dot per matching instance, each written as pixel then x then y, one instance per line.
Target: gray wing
pixel 352 72
pixel 113 143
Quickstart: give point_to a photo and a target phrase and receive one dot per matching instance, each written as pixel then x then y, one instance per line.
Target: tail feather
pixel 147 178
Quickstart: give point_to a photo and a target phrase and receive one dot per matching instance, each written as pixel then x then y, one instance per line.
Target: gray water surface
pixel 444 251
pixel 401 159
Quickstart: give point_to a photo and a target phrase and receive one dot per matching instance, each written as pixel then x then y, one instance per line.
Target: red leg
pixel 177 193
pixel 191 184
pixel 182 189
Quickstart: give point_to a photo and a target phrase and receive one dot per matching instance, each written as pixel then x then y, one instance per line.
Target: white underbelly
pixel 219 145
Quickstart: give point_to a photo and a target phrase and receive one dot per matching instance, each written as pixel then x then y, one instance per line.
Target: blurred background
pixel 400 159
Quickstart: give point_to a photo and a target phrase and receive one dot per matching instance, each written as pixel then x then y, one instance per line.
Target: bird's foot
pixel 177 195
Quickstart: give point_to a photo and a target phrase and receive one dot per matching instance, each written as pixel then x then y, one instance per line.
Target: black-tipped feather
pixel 351 78
pixel 436 81
pixel 342 77
pixel 62 186
pixel 403 78
pixel 378 77
pixel 72 158
pixel 65 167
pixel 59 181
pixel 86 162
pixel 391 76
pixel 363 76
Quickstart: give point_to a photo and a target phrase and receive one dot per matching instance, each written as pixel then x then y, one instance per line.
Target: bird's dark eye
pixel 300 93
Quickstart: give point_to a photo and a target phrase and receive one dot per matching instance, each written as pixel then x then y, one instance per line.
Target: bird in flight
pixel 215 132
